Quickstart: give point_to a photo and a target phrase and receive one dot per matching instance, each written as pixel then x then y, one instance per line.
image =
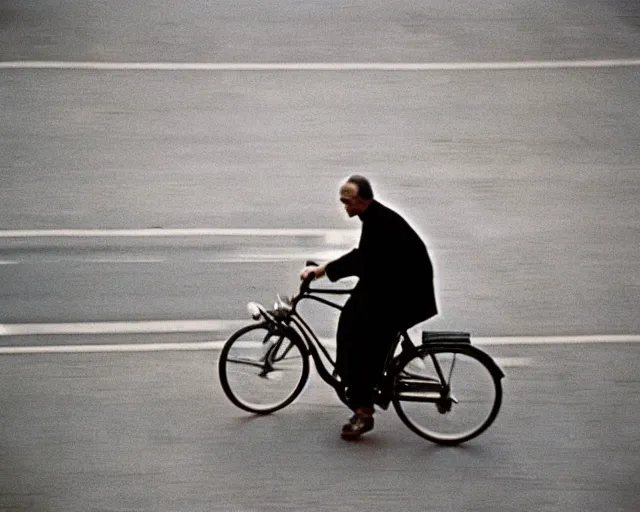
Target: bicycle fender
pixel 493 367
pixel 485 358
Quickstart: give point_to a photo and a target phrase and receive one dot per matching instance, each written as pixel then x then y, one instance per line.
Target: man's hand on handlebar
pixel 317 270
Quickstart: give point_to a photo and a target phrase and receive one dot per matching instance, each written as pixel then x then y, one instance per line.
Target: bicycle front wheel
pixel 261 370
pixel 447 394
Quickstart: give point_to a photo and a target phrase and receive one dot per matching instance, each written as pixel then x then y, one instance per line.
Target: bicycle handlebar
pixel 305 286
pixel 306 283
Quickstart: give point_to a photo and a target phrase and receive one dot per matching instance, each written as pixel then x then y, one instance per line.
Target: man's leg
pixel 367 355
pixel 344 335
pixel 348 340
pixel 347 343
pixel 367 352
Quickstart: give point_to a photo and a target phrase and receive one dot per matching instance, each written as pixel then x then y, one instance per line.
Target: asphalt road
pixel 524 183
pixel 331 31
pixel 153 431
pixel 487 290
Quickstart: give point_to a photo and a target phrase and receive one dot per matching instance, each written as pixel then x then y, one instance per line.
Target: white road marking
pixel 92 260
pixel 322 66
pixel 258 257
pixel 513 362
pixel 556 340
pixel 213 325
pixel 137 327
pixel 503 362
pixel 277 257
pixel 130 347
pixel 98 260
pixel 252 260
pixel 274 258
pixel 221 325
pixel 331 236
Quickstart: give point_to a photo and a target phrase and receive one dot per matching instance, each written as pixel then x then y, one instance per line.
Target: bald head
pixel 364 186
pixel 356 195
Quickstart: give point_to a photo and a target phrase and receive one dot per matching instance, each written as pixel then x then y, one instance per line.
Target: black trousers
pixel 365 336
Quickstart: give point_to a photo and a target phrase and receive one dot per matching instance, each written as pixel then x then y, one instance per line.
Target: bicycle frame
pixel 312 342
pixel 411 373
pixel 315 347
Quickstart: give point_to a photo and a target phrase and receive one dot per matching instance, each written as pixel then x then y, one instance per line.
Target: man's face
pixel 353 203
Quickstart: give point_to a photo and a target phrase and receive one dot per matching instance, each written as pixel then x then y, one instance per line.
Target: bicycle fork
pixel 271 353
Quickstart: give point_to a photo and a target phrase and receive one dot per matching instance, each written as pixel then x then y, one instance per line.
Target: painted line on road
pixel 224 325
pixel 253 259
pixel 241 258
pixel 135 327
pixel 213 325
pixel 108 261
pixel 504 362
pixel 322 66
pixel 513 362
pixel 125 347
pixel 331 236
pixel 276 257
pixel 556 340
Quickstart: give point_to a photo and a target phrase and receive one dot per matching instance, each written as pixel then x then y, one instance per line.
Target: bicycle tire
pixel 492 374
pixel 224 363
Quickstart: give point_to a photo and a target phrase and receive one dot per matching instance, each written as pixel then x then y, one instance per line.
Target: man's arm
pixel 344 266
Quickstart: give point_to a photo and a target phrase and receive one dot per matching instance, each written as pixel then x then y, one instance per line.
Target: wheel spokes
pixel 452 409
pixel 262 372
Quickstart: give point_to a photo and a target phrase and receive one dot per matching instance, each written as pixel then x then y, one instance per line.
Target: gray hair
pixel 364 186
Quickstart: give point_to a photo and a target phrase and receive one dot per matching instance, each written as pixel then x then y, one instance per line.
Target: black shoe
pixel 358 425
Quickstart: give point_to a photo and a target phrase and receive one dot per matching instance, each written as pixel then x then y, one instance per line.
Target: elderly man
pixel 394 292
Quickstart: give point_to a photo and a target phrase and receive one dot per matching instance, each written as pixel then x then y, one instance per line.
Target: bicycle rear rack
pixel 446 337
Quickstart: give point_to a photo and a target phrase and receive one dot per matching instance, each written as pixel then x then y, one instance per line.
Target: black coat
pixel 395 274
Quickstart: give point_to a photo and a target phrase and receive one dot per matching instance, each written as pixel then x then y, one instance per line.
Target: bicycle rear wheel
pixel 454 404
pixel 262 371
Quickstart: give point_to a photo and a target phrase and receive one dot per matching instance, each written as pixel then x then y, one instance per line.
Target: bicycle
pixel 417 380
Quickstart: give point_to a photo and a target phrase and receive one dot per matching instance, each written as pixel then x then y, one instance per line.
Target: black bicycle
pixel 445 389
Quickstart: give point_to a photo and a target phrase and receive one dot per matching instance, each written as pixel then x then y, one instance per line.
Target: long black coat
pixel 394 269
